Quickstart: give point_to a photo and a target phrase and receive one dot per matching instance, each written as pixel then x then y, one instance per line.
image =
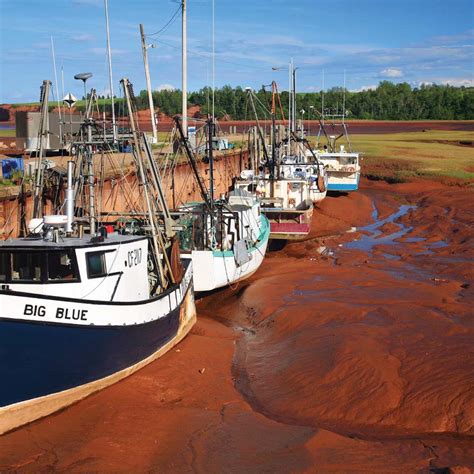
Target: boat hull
pixel 343 183
pixel 217 269
pixel 289 224
pixel 47 366
pixel 317 196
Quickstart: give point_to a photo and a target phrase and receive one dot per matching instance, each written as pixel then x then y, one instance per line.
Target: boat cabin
pixel 114 269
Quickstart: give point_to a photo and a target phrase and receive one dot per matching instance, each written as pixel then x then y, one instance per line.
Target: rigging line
pixel 168 23
pixel 266 111
pixel 120 174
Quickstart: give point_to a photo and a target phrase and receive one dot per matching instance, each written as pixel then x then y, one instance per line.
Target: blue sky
pixel 417 41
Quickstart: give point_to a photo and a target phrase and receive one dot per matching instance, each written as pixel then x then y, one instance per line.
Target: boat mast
pixel 42 136
pixel 273 160
pixel 90 165
pixel 111 82
pixel 157 238
pixel 184 103
pixel 148 84
pixel 294 98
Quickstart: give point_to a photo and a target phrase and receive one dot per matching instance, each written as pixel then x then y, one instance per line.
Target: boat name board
pixel 75 314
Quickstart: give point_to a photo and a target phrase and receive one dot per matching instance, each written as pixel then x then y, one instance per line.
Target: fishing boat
pixel 284 179
pixel 343 168
pixel 301 162
pixel 283 202
pixel 226 238
pixel 86 302
pixel 341 162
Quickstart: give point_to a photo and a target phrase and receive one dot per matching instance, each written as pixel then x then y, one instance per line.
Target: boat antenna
pixel 111 81
pixel 344 99
pixel 293 125
pixel 322 98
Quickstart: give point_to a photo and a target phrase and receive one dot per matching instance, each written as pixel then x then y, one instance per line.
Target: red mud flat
pixel 165 124
pixel 353 360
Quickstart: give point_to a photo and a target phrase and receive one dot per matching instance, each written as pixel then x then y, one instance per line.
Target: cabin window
pixel 3 267
pixel 61 266
pixel 96 266
pixel 26 266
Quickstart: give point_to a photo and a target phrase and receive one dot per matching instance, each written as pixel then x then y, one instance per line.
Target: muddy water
pixel 349 352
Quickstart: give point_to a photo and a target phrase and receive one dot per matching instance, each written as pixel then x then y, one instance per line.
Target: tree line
pixel 388 101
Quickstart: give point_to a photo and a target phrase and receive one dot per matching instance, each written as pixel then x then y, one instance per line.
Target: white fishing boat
pixel 225 238
pixel 343 168
pixel 283 201
pixel 85 303
pixel 306 166
pixel 341 162
pixel 227 245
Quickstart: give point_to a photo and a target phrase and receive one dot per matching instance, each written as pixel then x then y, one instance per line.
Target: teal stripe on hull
pixel 262 238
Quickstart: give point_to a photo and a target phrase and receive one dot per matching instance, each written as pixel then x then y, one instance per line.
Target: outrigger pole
pixel 42 136
pixel 157 238
pixel 192 161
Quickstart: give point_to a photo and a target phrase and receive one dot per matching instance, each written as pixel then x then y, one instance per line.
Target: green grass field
pixel 397 157
pixel 431 154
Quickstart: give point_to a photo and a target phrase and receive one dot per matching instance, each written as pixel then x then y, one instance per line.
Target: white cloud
pixel 165 87
pixel 391 72
pixel 453 81
pixel 365 88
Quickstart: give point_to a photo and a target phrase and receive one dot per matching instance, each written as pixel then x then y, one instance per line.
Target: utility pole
pixel 148 84
pixel 185 69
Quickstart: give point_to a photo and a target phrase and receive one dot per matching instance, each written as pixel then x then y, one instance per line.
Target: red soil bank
pixel 359 362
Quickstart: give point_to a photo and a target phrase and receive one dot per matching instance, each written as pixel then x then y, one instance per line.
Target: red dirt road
pixel 357 360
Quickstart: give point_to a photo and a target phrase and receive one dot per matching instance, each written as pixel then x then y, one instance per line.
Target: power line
pixel 168 24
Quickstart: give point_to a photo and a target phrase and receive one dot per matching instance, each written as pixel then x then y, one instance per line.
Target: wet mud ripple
pixel 371 348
